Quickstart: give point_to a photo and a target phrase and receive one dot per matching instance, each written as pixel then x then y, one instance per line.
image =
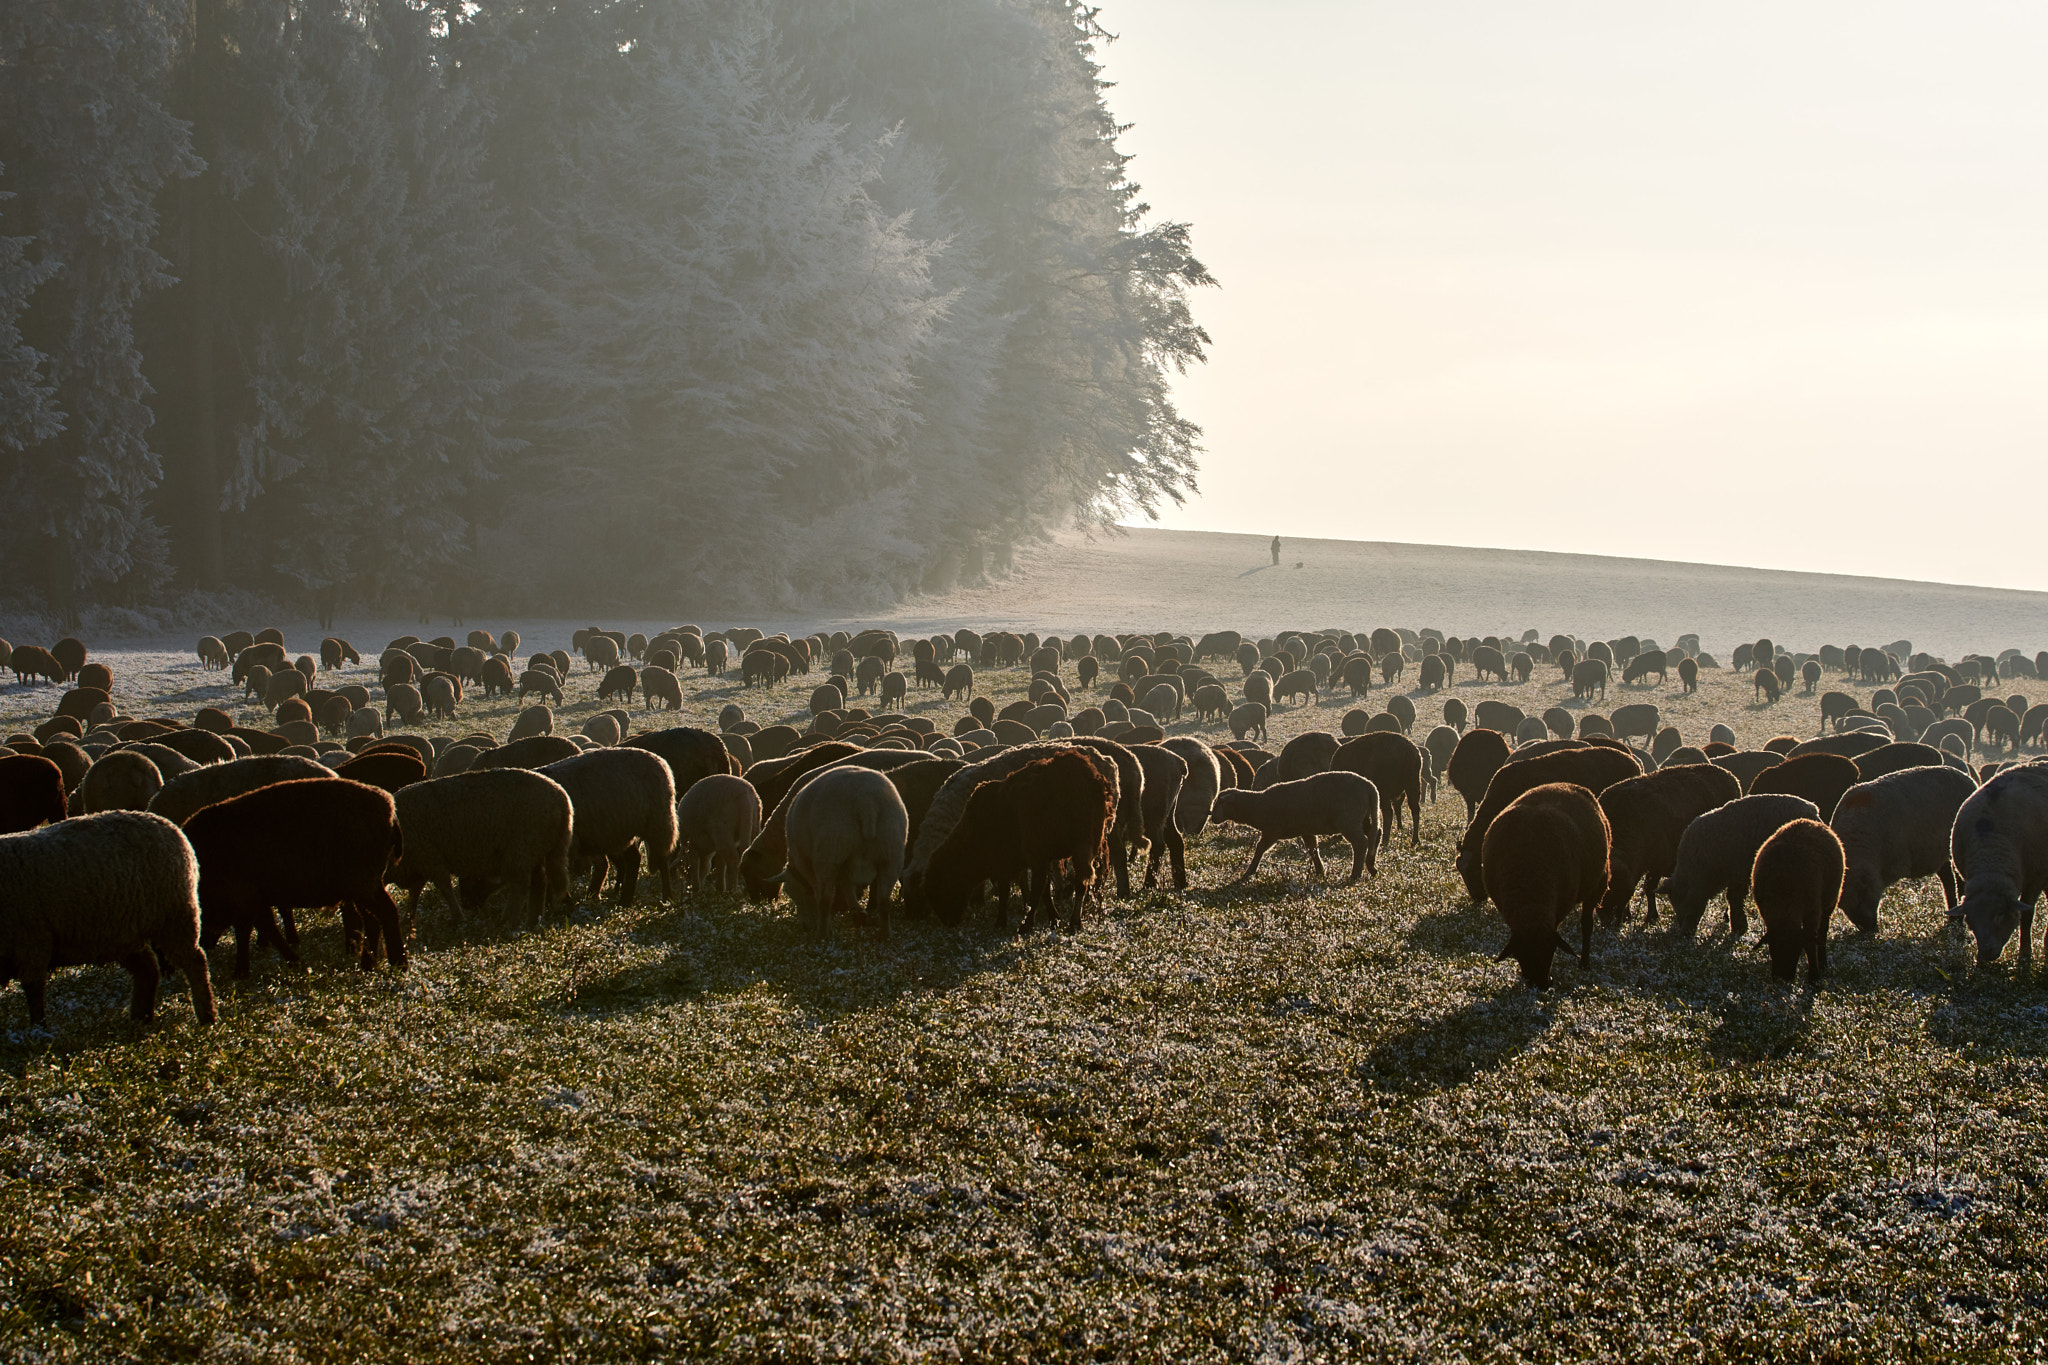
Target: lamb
pixel 122 780
pixel 294 844
pixel 181 797
pixel 1545 852
pixel 1198 793
pixel 31 792
pixel 1393 765
pixel 716 819
pixel 846 831
pixel 1479 754
pixel 2000 844
pixel 1898 826
pixel 625 805
pixel 1647 818
pixel 1797 881
pixel 119 887
pixel 1717 852
pixel 490 827
pixel 1594 768
pixel 1327 803
pixel 1820 778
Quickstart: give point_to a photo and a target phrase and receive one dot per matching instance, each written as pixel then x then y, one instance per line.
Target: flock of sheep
pixel 142 841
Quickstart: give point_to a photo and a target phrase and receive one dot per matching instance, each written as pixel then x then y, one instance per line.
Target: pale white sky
pixel 1744 283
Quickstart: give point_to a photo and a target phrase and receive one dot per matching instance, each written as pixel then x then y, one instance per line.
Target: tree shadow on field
pixel 1452 1049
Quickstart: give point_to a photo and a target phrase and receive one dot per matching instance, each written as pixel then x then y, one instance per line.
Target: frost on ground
pixel 1281 1121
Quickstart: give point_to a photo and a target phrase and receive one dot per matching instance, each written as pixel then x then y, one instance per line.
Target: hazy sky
pixel 1745 283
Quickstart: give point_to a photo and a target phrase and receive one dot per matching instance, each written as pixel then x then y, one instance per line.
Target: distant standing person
pixel 1276 552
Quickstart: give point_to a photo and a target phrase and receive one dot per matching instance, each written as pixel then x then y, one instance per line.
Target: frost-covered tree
pixel 87 144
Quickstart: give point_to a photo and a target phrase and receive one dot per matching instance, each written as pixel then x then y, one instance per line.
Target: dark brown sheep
pixel 1336 803
pixel 619 681
pixel 31 792
pixel 1393 765
pixel 1797 882
pixel 1544 853
pixel 1589 676
pixel 1767 684
pixel 716 820
pixel 295 845
pixel 532 752
pixel 625 808
pixel 1479 754
pixel 1820 778
pixel 70 655
pixel 387 770
pixel 490 829
pixel 1647 817
pixel 1594 768
pixel 33 661
pixel 1052 811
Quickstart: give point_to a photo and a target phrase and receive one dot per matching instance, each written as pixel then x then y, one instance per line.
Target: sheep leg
pixel 1738 917
pixel 1315 857
pixel 142 965
pixel 1360 843
pixel 1414 818
pixel 241 951
pixel 1265 842
pixel 382 912
pixel 1178 848
pixel 188 959
pixel 1587 908
pixel 1650 897
pixel 1948 885
pixel 1120 863
pixel 627 863
pixel 291 928
pixel 32 985
pixel 267 931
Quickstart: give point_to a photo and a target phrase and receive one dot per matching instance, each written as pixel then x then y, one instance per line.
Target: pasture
pixel 1278 1120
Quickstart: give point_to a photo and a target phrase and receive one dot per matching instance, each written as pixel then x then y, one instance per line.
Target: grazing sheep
pixel 1767 685
pixel 1898 826
pixel 2000 846
pixel 1689 674
pixel 1648 816
pixel 1249 719
pixel 1820 778
pixel 1305 754
pixel 625 808
pixel 181 797
pixel 1588 676
pixel 1393 765
pixel 542 681
pixel 1455 714
pixel 32 792
pixel 292 845
pixel 1440 745
pixel 601 730
pixel 1544 853
pixel 1127 833
pixel 1797 882
pixel 404 702
pixel 533 721
pixel 1435 673
pixel 845 832
pixel 658 684
pixel 1198 793
pixel 1479 754
pixel 1300 682
pixel 390 769
pixel 490 828
pixel 1892 758
pixel 1165 773
pixel 716 820
pixel 531 752
pixel 1594 768
pixel 1639 668
pixel 1335 803
pixel 1485 660
pixel 122 887
pixel 1057 810
pixel 1717 852
pixel 1531 731
pixel 691 754
pixel 122 780
pixel 212 653
pixel 618 681
pixel 438 694
pixel 959 682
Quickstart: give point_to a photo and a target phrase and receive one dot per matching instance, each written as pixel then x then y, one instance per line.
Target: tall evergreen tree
pixel 88 144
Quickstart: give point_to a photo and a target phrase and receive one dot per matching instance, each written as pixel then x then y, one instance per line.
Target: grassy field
pixel 1278 1121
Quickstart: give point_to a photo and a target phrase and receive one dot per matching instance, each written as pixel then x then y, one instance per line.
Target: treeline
pixel 567 303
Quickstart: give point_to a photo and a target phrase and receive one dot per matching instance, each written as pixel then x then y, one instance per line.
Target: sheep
pixel 1393 765
pixel 1642 666
pixel 1300 682
pixel 1257 688
pixel 1248 719
pixel 618 681
pixel 1485 660
pixel 1717 852
pixel 122 780
pixel 181 797
pixel 390 769
pixel 1478 755
pixel 70 655
pixel 532 753
pixel 1820 778
pixel 1545 852
pixel 294 844
pixel 1797 882
pixel 2000 847
pixel 959 682
pixel 1327 803
pixel 1205 780
pixel 1128 832
pixel 1767 685
pixel 1898 826
pixel 439 692
pixel 1647 817
pixel 489 827
pixel 1434 674
pixel 1588 676
pixel 32 792
pixel 1689 674
pixel 717 818
pixel 846 831
pixel 625 807
pixel 117 887
pixel 1893 758
pixel 212 653
pixel 1059 808
pixel 1593 768
pixel 691 754
pixel 1305 754
pixel 1640 719
pixel 403 701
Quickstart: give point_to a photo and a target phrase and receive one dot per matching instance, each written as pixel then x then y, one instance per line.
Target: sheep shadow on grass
pixel 1451 1049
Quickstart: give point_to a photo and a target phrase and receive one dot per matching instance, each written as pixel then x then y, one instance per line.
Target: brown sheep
pixel 182 797
pixel 1797 882
pixel 1646 818
pixel 388 770
pixel 625 808
pixel 1544 853
pixel 1594 768
pixel 403 702
pixel 298 844
pixel 33 661
pixel 542 681
pixel 662 685
pixel 1306 754
pixel 1589 676
pixel 1393 765
pixel 532 752
pixel 70 655
pixel 31 792
pixel 619 681
pixel 716 820
pixel 1053 810
pixel 1479 754
pixel 1342 804
pixel 492 828
pixel 122 780
pixel 845 833
pixel 1767 684
pixel 1820 778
